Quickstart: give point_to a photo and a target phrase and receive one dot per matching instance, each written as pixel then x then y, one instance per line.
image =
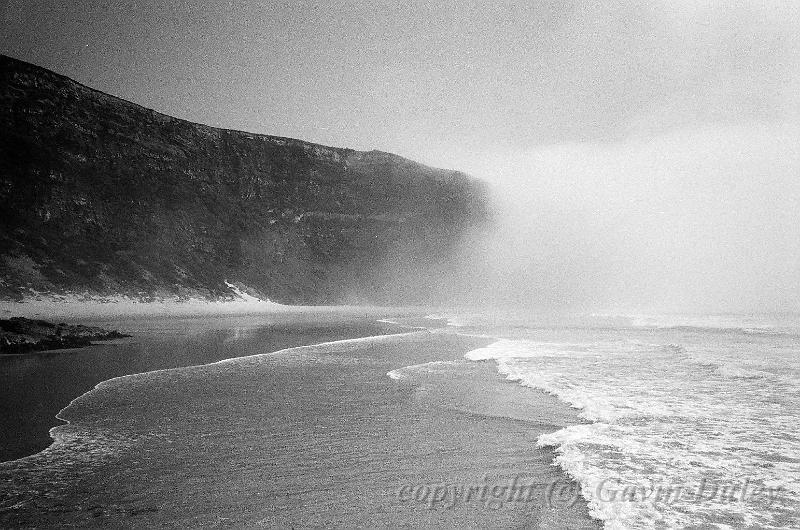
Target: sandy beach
pixel 35 386
pixel 318 435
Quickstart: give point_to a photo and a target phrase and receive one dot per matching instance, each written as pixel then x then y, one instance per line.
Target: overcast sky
pixel 647 153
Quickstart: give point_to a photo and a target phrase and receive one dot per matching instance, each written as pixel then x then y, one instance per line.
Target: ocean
pixel 689 420
pixel 621 421
pixel 221 422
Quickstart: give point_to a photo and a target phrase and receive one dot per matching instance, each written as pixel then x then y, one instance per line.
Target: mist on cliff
pixel 704 219
pixel 677 189
pixel 641 154
pixel 701 219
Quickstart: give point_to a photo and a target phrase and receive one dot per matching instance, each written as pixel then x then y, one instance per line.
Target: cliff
pixel 102 196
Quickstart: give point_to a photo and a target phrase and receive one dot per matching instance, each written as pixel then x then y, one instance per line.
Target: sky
pixel 645 154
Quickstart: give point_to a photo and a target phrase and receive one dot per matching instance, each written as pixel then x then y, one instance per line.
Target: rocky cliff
pixel 102 196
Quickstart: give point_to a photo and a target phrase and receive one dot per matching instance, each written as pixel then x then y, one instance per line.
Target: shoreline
pixel 29 405
pixel 498 447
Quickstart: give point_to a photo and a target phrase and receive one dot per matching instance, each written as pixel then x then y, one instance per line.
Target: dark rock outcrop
pixel 22 335
pixel 102 196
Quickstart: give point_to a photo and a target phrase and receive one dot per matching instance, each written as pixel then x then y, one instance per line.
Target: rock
pixel 22 335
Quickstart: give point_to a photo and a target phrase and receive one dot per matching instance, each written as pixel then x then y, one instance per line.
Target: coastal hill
pixel 101 196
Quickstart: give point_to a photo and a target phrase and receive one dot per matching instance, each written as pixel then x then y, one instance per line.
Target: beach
pixel 34 387
pixel 332 421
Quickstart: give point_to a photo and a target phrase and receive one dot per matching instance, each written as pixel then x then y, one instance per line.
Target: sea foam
pixel 670 408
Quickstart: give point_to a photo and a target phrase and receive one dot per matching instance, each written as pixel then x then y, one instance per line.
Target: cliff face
pixel 100 195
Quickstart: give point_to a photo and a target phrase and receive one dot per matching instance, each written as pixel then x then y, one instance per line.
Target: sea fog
pixel 645 160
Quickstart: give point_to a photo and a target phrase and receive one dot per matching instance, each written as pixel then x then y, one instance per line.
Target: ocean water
pixel 689 421
pixel 307 436
pixel 676 421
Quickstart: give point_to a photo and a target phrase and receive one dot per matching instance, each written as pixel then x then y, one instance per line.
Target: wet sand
pixel 303 438
pixel 35 386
